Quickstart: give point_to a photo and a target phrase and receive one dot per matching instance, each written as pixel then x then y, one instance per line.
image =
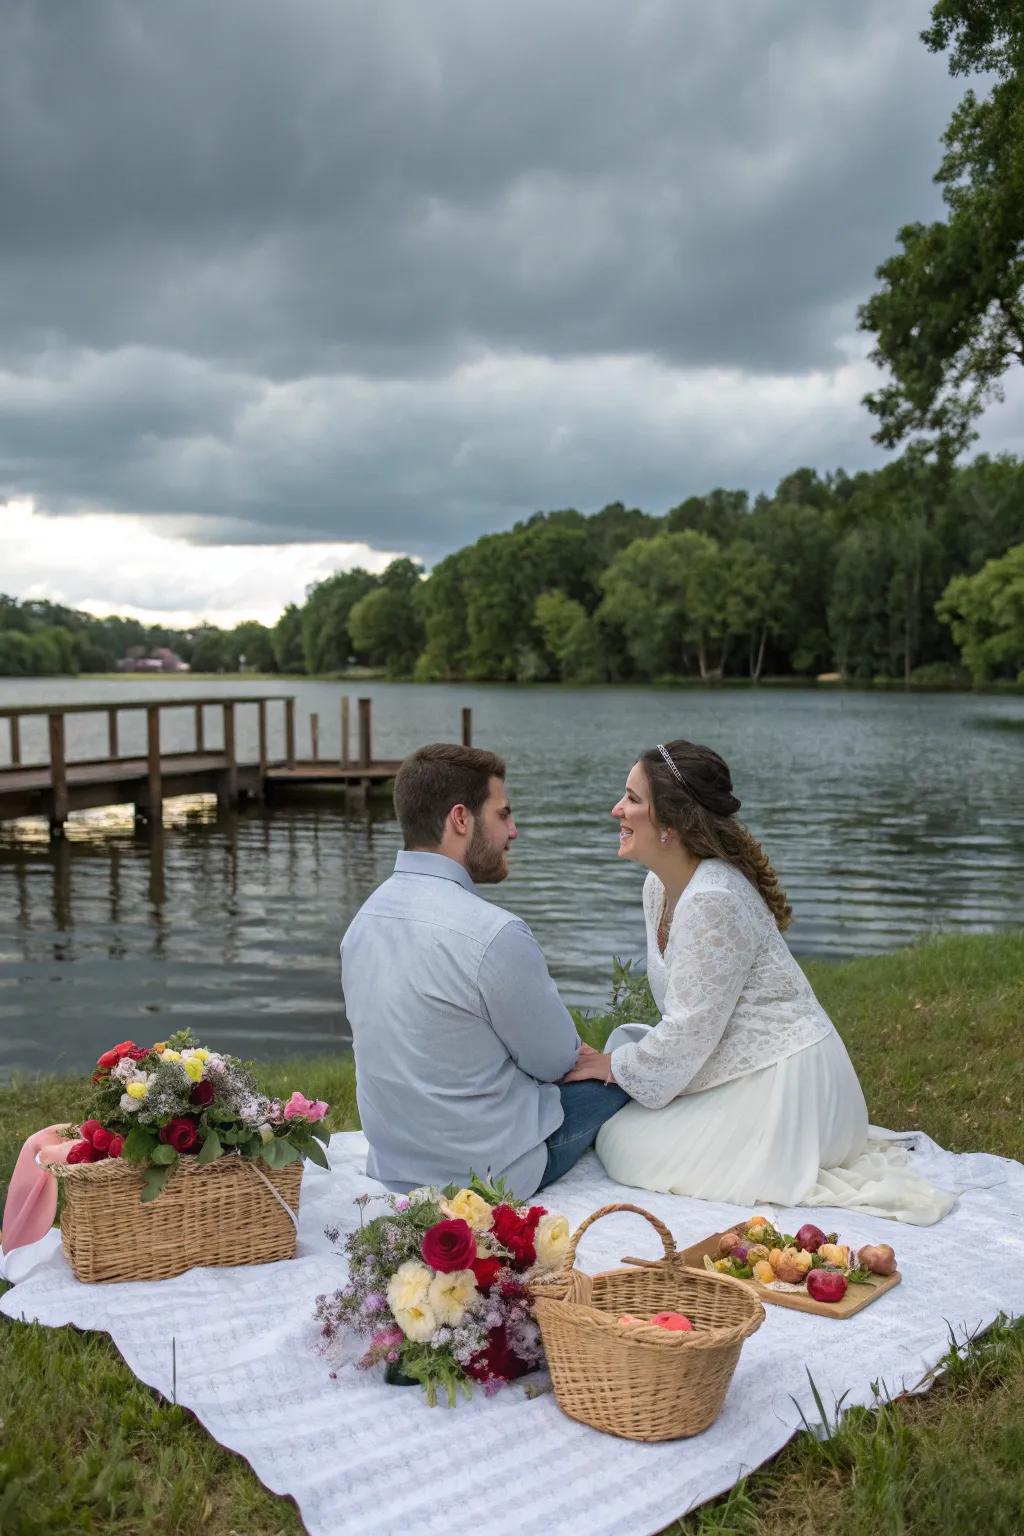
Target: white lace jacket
pixel 732 998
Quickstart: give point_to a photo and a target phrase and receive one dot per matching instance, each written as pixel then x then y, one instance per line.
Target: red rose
pixel 449 1245
pixel 181 1133
pixel 137 1053
pixel 82 1152
pixel 108 1059
pixel 101 1140
pixel 497 1361
pixel 515 1233
pixel 486 1272
pixel 533 1216
pixel 202 1092
pixel 89 1129
pixel 116 1146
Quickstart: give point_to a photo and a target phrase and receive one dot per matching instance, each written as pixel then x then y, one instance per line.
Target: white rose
pixel 408 1286
pixel 451 1294
pixel 128 1104
pixel 551 1240
pixel 416 1322
pixel 426 1194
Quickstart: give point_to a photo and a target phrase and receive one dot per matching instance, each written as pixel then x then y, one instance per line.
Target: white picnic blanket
pixel 365 1459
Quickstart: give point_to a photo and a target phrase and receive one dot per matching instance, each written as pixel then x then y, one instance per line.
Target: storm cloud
pixel 401 273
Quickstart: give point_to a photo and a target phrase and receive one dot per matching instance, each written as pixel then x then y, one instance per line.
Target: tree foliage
pixel 949 315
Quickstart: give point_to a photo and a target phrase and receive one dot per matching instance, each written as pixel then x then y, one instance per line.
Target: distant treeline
pixel 913 573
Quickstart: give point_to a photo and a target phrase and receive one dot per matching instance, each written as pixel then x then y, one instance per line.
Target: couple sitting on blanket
pixel 467 1061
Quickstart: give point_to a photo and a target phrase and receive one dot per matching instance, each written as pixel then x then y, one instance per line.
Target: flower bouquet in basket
pixel 439 1286
pixel 155 1105
pixel 183 1161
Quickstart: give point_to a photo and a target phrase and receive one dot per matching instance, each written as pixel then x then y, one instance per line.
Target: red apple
pixel 823 1285
pixel 810 1238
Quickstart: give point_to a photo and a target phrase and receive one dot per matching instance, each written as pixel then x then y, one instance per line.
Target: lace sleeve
pixel 710 952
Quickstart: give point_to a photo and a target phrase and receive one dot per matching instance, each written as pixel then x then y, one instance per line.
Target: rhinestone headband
pixel 672 767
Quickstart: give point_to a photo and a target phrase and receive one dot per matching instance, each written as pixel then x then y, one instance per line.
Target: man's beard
pixel 486 864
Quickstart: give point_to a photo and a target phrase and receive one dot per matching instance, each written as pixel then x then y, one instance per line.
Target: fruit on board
pixel 727 1242
pixel 740 1253
pixel 810 1237
pixel 877 1258
pixel 835 1253
pixel 823 1285
pixel 764 1272
pixel 756 1251
pixel 789 1264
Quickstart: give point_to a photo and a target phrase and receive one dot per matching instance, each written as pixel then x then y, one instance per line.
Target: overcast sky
pixel 378 278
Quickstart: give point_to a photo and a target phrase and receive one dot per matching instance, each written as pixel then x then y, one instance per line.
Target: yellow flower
pixel 451 1294
pixel 160 1046
pixel 201 1053
pixel 193 1068
pixel 136 1090
pixel 551 1240
pixel 469 1207
pixel 408 1286
pixel 171 1055
pixel 416 1322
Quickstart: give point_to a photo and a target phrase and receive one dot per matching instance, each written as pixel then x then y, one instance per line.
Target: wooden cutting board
pixel 856 1299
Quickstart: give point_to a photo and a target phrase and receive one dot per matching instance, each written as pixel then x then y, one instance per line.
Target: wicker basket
pixel 219 1214
pixel 642 1383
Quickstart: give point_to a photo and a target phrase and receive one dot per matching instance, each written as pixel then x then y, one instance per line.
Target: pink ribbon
pixel 32 1195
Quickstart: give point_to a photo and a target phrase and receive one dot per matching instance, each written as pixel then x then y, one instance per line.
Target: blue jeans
pixel 586 1107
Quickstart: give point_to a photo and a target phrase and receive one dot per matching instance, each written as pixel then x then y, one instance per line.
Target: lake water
pixel 888 817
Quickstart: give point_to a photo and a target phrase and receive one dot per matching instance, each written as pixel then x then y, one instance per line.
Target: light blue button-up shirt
pixel 459 1034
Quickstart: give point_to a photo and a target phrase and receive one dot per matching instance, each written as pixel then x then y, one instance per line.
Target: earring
pixel 664 837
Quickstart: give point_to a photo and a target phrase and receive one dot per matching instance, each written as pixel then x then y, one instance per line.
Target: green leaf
pixel 320 1131
pixel 162 1154
pixel 153 1181
pixel 270 1152
pixel 211 1149
pixel 139 1144
pixel 285 1153
pixel 316 1154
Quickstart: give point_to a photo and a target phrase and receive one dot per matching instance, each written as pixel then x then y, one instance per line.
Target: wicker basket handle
pixel 663 1232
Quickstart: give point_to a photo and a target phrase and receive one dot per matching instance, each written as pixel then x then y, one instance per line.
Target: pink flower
pixel 299 1108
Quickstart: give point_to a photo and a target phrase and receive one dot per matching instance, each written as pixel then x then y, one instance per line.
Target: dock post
pixel 314 735
pixel 113 750
pixel 365 730
pixel 58 776
pixel 467 727
pixel 289 732
pixel 15 725
pixel 230 779
pixel 200 733
pixel 346 734
pixel 155 793
pixel 263 744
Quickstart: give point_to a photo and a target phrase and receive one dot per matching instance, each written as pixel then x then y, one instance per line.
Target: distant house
pixel 159 659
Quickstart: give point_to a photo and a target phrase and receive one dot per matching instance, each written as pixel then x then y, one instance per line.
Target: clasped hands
pixel 590 1064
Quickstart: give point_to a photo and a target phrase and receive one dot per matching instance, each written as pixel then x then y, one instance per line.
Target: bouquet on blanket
pixel 439 1284
pixel 157 1104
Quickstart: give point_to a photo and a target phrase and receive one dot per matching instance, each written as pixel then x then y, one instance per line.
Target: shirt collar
pixel 436 864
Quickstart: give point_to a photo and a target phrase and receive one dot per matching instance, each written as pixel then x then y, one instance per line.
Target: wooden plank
pixel 15 728
pixel 467 727
pixel 346 739
pixel 314 735
pixel 154 777
pixel 856 1299
pixel 58 771
pixel 200 728
pixel 9 710
pixel 365 732
pixel 113 746
pixel 289 732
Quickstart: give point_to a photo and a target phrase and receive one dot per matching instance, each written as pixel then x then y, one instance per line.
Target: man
pixel 460 1037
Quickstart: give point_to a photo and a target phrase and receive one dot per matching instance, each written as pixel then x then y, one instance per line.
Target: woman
pixel 743 1091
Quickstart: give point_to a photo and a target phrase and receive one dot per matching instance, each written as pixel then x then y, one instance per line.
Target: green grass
pixel 933 1031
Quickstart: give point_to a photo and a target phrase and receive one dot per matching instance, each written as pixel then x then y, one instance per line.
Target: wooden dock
pixel 55 788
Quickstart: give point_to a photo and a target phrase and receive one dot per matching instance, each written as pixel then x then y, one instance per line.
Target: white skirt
pixel 792 1134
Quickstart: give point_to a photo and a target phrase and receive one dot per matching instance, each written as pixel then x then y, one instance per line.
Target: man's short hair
pixel 433 779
